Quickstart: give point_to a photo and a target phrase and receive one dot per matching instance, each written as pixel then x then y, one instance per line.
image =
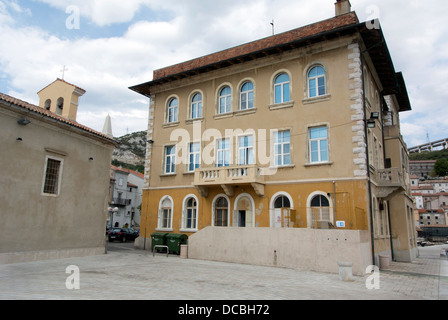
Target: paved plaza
pixel 128 273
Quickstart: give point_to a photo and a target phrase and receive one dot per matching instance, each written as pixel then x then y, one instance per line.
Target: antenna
pixel 273 27
pixel 427 137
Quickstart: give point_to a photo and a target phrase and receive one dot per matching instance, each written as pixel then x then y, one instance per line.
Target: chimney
pixel 342 7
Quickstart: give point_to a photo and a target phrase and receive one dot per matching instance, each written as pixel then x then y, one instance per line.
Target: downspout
pixel 372 235
pixel 382 101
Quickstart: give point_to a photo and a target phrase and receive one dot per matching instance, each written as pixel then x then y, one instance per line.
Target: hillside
pixel 131 151
pixel 433 155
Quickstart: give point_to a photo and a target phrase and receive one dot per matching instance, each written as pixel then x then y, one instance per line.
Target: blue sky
pixel 119 43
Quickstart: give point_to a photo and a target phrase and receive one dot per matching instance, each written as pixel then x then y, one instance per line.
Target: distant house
pixel 127 188
pixel 54 181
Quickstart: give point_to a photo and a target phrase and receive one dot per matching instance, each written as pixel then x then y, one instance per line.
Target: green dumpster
pixel 174 240
pixel 158 239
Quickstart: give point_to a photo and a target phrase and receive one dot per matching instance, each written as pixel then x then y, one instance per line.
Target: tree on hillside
pixel 441 167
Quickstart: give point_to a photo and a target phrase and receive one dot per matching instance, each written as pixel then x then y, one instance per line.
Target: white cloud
pixel 106 67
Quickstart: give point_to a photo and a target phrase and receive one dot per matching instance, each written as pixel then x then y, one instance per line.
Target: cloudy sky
pixel 110 45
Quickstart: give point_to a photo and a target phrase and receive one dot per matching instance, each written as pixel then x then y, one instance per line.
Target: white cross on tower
pixel 63 72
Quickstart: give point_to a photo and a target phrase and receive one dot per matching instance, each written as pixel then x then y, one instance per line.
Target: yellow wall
pixel 351 204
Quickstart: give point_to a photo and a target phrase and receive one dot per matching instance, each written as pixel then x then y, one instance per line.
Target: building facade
pixel 126 198
pixel 54 184
pixel 283 132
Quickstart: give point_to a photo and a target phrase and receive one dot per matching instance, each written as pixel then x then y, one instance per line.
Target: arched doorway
pixel 244 213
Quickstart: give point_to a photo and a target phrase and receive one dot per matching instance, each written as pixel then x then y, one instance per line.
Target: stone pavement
pixel 137 275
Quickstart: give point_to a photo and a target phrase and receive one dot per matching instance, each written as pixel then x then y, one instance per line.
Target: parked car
pixel 122 234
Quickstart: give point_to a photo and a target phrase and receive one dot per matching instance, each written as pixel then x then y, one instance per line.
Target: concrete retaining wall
pixel 307 249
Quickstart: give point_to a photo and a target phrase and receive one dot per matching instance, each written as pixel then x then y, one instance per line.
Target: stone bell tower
pixel 61 98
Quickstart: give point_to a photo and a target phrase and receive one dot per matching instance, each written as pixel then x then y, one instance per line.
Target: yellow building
pixel 296 131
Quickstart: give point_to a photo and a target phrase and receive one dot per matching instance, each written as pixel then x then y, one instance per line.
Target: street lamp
pixel 111 212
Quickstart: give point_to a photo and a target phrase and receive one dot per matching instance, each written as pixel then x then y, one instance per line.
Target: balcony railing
pixel 227 177
pixel 390 181
pixel 391 177
pixel 121 202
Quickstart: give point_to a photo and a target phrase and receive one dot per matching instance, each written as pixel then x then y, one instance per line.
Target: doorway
pixel 243 214
pixel 241 218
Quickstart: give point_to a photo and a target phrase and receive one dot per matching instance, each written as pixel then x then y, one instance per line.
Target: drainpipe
pixel 372 235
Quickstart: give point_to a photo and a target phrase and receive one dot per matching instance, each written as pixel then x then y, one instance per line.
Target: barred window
pixel 52 175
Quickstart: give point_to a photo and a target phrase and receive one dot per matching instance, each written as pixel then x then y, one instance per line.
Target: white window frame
pixel 245 96
pixel 172 111
pixel 224 151
pixel 316 80
pixel 247 150
pixel 227 98
pixel 196 156
pixel 282 145
pixel 196 104
pixel 59 178
pixel 282 88
pixel 162 211
pixel 185 214
pixel 318 140
pixel 172 157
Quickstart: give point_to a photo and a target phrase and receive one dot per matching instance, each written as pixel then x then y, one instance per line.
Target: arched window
pixel 316 82
pixel 59 106
pixel 281 88
pixel 247 96
pixel 47 104
pixel 221 212
pixel 190 214
pixel 165 213
pixel 196 106
pixel 320 210
pixel 282 202
pixel 172 111
pixel 225 96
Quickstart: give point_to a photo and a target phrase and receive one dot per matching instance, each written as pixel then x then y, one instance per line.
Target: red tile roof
pixel 265 43
pixel 5 100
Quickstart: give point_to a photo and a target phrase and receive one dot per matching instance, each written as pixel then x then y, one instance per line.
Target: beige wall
pixel 334 111
pixel 33 222
pixel 307 249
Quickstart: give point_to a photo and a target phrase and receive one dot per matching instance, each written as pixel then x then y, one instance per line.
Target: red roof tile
pixel 265 43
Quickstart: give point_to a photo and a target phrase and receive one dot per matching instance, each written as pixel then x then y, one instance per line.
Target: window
pixel 282 148
pixel 320 208
pixel 172 111
pixel 47 104
pixel 223 153
pixel 282 202
pixel 221 212
pixel 165 213
pixel 281 88
pixel 190 214
pixel 316 82
pixel 225 96
pixel 318 144
pixel 194 156
pixel 52 179
pixel 196 106
pixel 246 150
pixel 170 159
pixel 247 96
